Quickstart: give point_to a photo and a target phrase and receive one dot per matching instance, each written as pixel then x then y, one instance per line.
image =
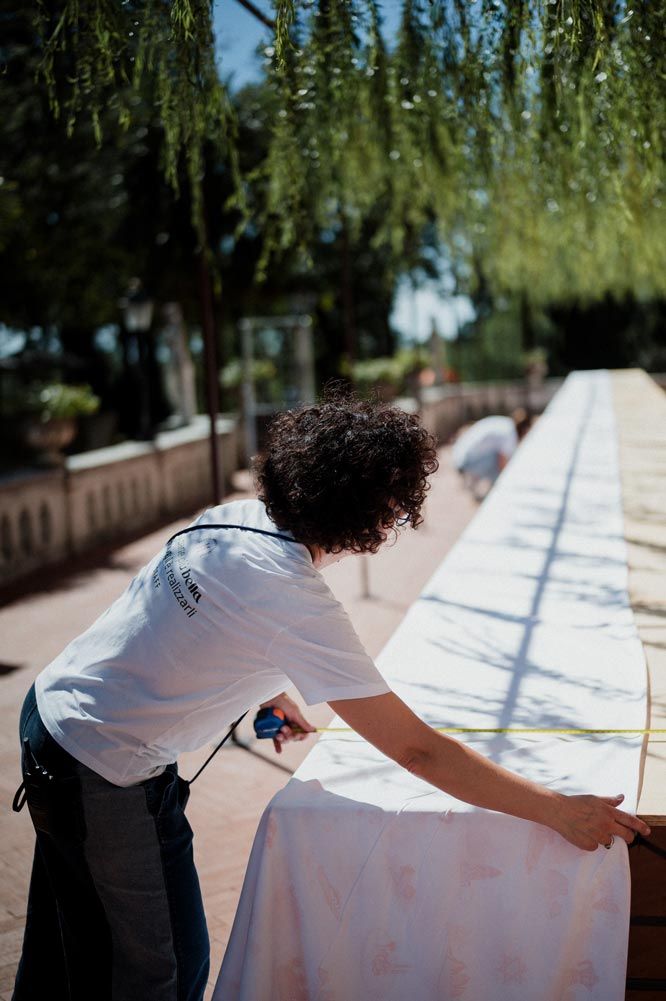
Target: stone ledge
pixel 104 495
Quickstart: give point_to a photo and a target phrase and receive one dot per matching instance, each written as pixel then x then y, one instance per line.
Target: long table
pixel 366 883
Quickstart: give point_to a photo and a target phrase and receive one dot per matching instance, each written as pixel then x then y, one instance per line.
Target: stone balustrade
pixel 446 408
pixel 107 494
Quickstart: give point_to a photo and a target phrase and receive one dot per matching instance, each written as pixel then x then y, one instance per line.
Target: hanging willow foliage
pixel 101 53
pixel 532 133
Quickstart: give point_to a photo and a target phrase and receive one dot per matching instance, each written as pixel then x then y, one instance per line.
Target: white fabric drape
pixel 366 883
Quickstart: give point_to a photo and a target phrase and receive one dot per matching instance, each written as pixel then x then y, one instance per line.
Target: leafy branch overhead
pixel 531 133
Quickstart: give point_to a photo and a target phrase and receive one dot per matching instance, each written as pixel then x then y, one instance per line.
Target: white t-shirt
pixel 219 621
pixel 490 436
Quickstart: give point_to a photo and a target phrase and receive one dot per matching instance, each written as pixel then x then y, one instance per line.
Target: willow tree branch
pixel 257 13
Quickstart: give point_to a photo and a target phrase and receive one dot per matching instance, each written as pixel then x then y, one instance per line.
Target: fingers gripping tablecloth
pixel 366 883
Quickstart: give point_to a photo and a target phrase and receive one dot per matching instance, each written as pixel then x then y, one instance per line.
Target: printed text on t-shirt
pixel 186 585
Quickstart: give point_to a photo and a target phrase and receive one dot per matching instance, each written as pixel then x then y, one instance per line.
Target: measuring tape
pixel 269 722
pixel 503 729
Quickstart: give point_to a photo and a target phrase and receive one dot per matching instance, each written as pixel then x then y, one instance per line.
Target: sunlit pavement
pixel 229 797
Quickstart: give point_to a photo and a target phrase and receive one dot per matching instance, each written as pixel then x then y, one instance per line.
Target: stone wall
pixel 446 408
pixel 107 494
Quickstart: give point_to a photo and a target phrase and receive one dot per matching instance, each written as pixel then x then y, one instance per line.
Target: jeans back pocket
pixel 54 799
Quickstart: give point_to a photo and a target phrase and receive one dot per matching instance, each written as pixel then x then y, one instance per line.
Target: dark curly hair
pixel 342 472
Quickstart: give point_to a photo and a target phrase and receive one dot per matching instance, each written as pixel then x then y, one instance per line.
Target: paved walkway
pixel 230 796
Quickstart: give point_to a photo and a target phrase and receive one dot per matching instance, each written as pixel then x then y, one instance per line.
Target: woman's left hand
pixel 293 716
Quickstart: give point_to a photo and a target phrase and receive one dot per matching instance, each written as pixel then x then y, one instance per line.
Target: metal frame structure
pixel 303 370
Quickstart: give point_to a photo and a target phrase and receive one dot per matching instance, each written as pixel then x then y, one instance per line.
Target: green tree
pixel 533 134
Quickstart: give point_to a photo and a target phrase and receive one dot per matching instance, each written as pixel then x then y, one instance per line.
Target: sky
pixel 238 34
pixel 415 312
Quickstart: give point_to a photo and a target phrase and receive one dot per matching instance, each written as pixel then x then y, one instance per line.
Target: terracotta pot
pixel 49 438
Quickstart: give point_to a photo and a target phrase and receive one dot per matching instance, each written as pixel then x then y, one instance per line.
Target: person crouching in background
pixel 483 450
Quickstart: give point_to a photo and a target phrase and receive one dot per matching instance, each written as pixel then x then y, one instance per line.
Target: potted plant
pixel 535 364
pixel 413 365
pixel 377 376
pixel 264 378
pixel 50 413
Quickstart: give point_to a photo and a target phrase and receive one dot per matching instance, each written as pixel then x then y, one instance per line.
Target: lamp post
pixel 137 310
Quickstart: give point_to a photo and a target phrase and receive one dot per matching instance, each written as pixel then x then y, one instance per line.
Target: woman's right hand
pixel 590 821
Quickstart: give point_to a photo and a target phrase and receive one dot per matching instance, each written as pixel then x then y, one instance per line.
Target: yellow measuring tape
pixel 503 729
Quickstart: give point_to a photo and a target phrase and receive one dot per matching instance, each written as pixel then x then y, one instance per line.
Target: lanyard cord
pixel 243 528
pixel 222 742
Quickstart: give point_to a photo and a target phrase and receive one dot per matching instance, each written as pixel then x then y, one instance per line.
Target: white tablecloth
pixel 366 883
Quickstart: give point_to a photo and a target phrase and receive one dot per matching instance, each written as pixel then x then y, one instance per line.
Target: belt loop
pixel 20 797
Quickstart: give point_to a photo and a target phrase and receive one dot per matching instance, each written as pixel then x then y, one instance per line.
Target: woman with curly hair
pixel 223 618
pixel 340 475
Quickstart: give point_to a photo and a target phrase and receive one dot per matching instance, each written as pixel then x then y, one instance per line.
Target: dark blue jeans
pixel 114 910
